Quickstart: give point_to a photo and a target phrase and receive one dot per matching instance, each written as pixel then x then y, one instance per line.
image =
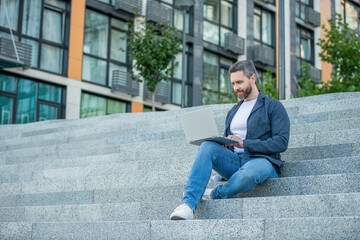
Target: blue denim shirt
pixel 268 130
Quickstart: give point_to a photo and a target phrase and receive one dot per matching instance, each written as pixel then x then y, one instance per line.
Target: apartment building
pixel 71 58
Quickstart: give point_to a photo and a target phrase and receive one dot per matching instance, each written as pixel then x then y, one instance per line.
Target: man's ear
pixel 253 78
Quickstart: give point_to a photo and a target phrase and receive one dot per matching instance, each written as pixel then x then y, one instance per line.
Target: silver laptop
pixel 199 126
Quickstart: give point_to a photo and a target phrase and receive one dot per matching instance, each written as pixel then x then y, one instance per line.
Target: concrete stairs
pixel 120 177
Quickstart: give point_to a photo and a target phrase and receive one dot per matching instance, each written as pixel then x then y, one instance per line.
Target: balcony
pixel 264 54
pixel 157 12
pixel 123 82
pixel 234 43
pixel 314 73
pixel 8 57
pixel 312 17
pixel 130 6
pixel 162 92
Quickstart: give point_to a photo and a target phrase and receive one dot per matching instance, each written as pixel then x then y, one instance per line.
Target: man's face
pixel 242 85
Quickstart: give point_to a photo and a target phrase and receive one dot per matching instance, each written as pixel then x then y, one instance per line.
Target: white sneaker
pixel 182 212
pixel 207 193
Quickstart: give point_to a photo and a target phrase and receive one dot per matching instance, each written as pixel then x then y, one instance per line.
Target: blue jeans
pixel 243 174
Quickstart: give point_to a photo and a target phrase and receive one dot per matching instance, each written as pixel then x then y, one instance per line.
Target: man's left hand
pixel 239 144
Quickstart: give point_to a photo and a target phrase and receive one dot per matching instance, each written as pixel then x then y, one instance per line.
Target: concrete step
pixel 323 184
pixel 321 205
pixel 72 169
pixel 335 228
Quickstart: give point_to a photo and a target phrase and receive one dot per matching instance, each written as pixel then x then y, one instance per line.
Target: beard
pixel 245 93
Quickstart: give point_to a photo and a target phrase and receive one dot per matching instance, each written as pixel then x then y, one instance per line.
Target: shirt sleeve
pixel 280 131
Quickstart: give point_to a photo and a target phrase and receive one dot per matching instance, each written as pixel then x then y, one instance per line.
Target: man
pixel 260 125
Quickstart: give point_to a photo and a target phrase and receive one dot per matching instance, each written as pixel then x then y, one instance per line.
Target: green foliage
pixel 268 85
pixel 307 86
pixel 341 48
pixel 153 47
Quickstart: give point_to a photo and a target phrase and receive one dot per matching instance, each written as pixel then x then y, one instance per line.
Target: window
pixel 351 14
pixel 93 105
pixel 104 47
pixel 218 20
pixel 44 25
pixel 216 84
pixel 300 7
pixel 264 27
pixel 23 100
pixel 304 48
pixel 176 80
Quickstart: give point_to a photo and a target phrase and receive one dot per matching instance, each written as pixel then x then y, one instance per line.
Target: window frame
pixel 301 6
pixel 219 25
pixel 108 59
pixel 273 27
pixel 312 48
pixel 64 46
pixel 60 106
pixel 357 7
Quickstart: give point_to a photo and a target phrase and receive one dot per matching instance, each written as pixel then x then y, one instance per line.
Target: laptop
pixel 199 126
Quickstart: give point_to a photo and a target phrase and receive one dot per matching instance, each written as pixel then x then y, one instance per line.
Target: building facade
pixel 71 59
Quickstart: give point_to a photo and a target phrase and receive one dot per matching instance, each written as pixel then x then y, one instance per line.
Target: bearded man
pixel 261 126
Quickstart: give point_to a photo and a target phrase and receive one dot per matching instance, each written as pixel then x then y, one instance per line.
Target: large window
pixel 351 14
pixel 23 100
pixel 219 19
pixel 264 27
pixel 44 24
pixel 300 7
pixel 94 105
pixel 104 47
pixel 216 84
pixel 304 48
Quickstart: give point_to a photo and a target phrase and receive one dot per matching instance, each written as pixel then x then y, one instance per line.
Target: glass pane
pixel 13 13
pixel 225 84
pixel 226 14
pixel 297 42
pixel 47 112
pixel 92 106
pixel 211 33
pixel 267 28
pixel 209 97
pixel 211 71
pixel 119 24
pixel 57 3
pixel 94 70
pixel 8 83
pixel 297 9
pixel 35 51
pixel 96 34
pixel 105 1
pixel 226 62
pixel 178 69
pixel 211 10
pixel 31 18
pixel 116 107
pixel 51 58
pixel 302 12
pixel 176 94
pixel 257 25
pixel 52 26
pixel 351 16
pixel 305 49
pixel 6 110
pixel 49 93
pixel 307 2
pixel 168 1
pixel 26 101
pixel 118 46
pixel 178 20
pixel 113 67
pixel 223 32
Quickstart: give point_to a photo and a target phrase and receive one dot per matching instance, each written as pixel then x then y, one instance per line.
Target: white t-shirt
pixel 238 126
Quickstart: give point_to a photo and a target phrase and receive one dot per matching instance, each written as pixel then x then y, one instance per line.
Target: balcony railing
pixel 123 82
pixel 312 17
pixel 8 56
pixel 314 73
pixel 234 43
pixel 157 12
pixel 264 54
pixel 162 92
pixel 131 6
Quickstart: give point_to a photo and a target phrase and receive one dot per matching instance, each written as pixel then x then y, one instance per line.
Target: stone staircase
pixel 120 177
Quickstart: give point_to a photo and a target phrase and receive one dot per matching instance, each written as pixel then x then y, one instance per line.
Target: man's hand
pixel 239 144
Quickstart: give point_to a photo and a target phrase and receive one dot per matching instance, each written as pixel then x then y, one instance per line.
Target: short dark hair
pixel 247 66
